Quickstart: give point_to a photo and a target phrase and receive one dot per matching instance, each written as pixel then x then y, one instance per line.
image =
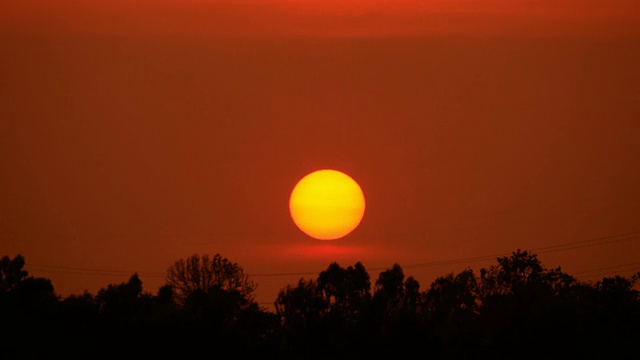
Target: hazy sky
pixel 134 135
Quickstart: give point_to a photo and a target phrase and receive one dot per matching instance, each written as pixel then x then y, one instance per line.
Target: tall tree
pixel 123 304
pixel 11 272
pixel 27 310
pixel 521 300
pixel 451 306
pixel 18 290
pixel 521 271
pixel 451 294
pixel 394 294
pixel 347 291
pixel 301 305
pixel 202 273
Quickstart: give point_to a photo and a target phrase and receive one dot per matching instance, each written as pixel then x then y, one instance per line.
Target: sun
pixel 327 204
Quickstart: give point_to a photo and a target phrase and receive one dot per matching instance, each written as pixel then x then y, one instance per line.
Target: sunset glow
pixel 327 204
pixel 135 135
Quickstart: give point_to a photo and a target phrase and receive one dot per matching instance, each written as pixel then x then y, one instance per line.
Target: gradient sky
pixel 134 134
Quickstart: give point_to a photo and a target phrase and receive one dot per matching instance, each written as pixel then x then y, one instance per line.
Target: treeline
pixel 515 309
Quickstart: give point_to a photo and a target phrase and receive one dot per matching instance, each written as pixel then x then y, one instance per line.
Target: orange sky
pixel 325 17
pixel 135 135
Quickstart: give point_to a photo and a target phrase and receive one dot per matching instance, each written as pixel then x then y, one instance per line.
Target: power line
pixel 635 235
pixel 566 246
pixel 585 243
pixel 608 269
pixel 90 271
pixel 283 274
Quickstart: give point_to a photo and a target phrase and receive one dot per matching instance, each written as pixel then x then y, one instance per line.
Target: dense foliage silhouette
pixel 515 309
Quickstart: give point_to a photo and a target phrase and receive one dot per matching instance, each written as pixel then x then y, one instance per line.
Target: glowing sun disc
pixel 327 204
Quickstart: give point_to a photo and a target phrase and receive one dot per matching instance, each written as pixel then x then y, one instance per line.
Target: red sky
pixel 133 135
pixel 167 18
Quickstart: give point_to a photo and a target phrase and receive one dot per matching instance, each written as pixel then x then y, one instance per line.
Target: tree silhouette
pixel 519 271
pixel 453 294
pixel 612 314
pixel 11 272
pixel 27 307
pixel 201 273
pixel 21 295
pixel 122 304
pixel 393 294
pixel 451 306
pixel 302 309
pixel 346 291
pixel 301 306
pixel 396 328
pixel 516 308
pixel 215 304
pixel 522 300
